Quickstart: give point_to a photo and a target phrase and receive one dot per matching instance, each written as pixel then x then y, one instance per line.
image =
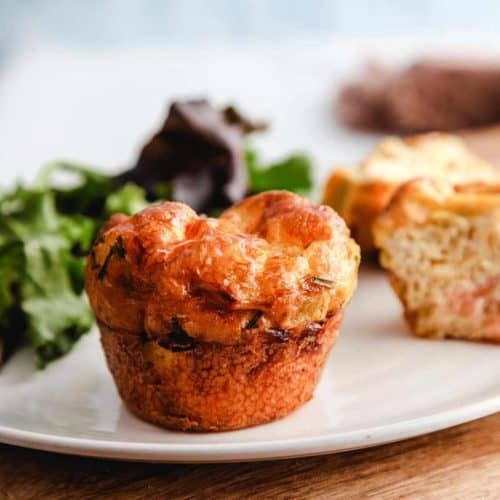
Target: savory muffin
pixel 361 193
pixel 441 245
pixel 217 324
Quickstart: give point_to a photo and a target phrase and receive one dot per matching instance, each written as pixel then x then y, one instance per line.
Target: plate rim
pixel 250 451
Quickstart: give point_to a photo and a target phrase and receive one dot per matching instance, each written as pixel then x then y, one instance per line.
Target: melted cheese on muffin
pixel 275 260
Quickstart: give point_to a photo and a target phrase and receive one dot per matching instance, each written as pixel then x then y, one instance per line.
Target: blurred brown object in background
pixel 429 95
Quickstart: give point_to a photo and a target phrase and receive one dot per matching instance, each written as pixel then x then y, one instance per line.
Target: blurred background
pixel 90 80
pixel 125 22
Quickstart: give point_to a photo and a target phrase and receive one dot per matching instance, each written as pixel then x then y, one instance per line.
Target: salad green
pixel 46 232
pixel 292 173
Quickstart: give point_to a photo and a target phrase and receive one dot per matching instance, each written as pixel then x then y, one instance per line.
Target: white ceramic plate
pixel 380 384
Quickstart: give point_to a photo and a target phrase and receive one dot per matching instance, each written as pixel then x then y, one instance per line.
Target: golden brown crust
pixel 361 193
pixel 218 324
pixel 416 200
pixel 263 255
pixel 214 387
pixel 359 204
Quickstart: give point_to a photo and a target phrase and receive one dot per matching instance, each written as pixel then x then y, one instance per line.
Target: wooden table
pixel 462 462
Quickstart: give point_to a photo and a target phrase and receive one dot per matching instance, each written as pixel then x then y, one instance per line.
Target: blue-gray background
pixel 65 62
pixel 114 22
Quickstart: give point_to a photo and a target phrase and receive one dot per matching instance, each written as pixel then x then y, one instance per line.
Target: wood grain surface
pixel 458 463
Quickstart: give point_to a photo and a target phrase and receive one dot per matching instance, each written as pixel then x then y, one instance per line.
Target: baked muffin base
pixel 214 387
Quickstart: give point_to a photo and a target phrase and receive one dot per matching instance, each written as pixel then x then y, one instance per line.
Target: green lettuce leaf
pixel 48 289
pixel 292 174
pixel 129 199
pixel 45 234
pixel 47 230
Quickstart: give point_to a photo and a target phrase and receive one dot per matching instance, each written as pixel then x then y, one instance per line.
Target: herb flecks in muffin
pixel 252 323
pixel 215 275
pixel 117 249
pixel 193 284
pixel 322 282
pixel 177 340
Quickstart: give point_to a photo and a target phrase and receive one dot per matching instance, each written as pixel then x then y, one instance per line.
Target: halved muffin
pixel 361 193
pixel 217 324
pixel 441 245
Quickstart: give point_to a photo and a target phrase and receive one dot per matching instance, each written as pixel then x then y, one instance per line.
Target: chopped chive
pixel 177 340
pixel 117 248
pixel 322 282
pixel 93 260
pixel 120 247
pixel 252 323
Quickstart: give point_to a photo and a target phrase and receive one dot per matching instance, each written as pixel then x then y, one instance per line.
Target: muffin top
pixel 275 261
pixel 420 199
pixel 437 155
